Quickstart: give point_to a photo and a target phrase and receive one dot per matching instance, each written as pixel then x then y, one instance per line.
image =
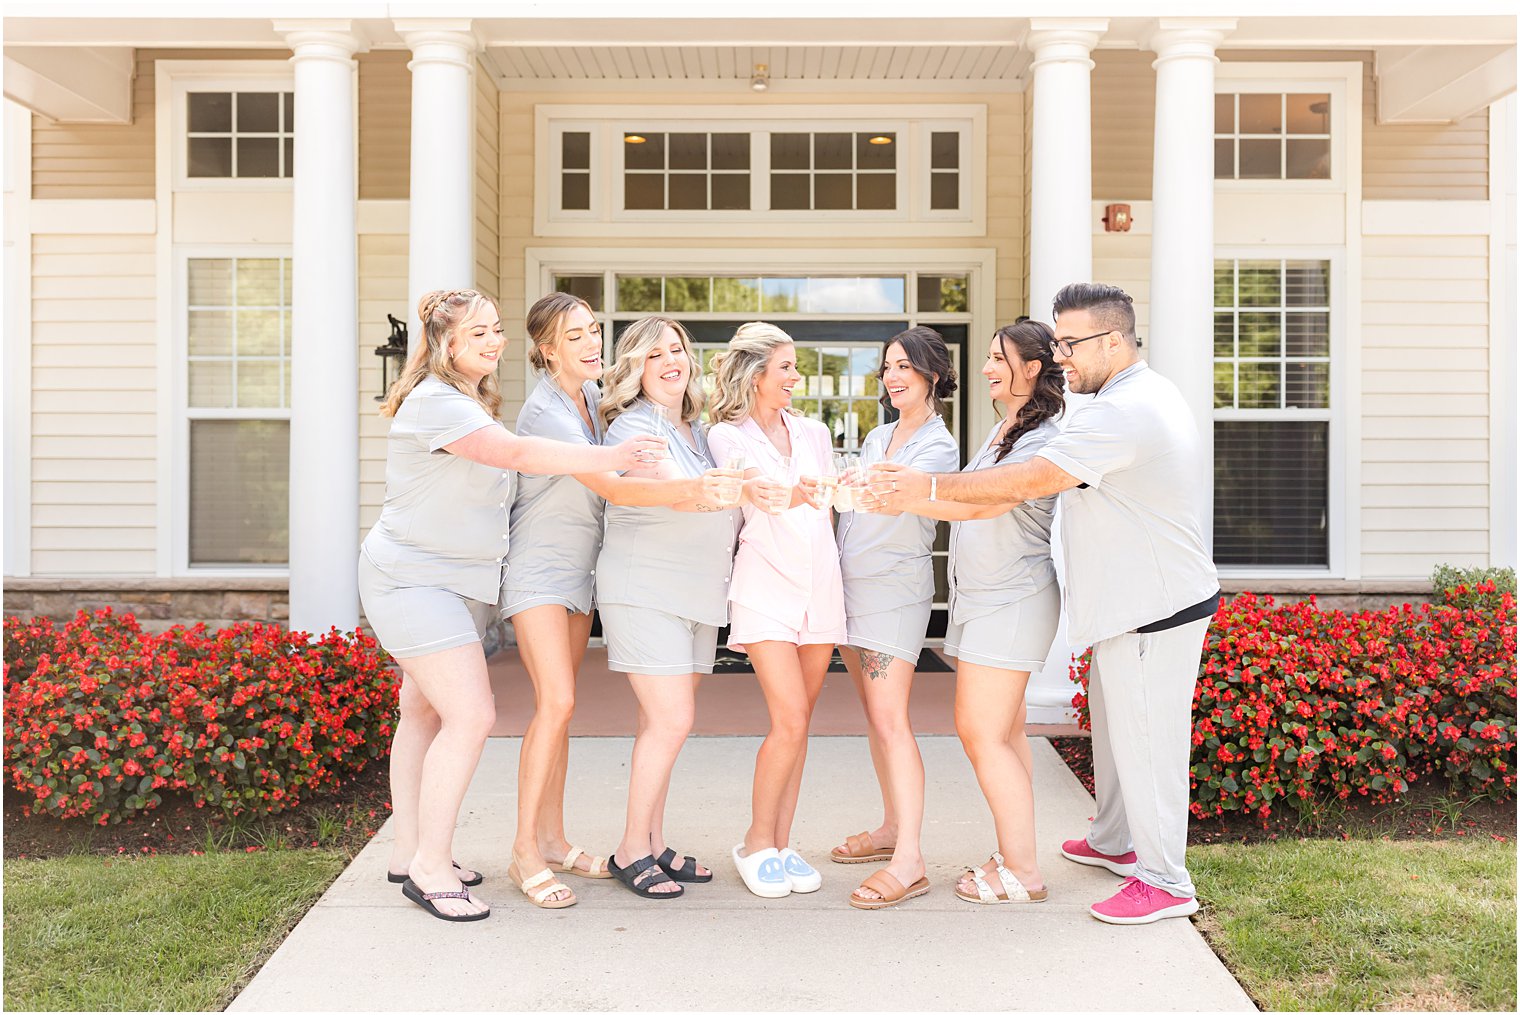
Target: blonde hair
pixel 623 384
pixel 441 312
pixel 545 325
pixel 737 371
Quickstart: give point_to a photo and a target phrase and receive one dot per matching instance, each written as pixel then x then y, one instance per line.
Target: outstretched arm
pixel 998 486
pixel 495 447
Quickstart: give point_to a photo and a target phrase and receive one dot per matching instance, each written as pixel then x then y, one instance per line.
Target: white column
pixel 1060 175
pixel 442 254
pixel 324 384
pixel 1181 342
pixel 1060 241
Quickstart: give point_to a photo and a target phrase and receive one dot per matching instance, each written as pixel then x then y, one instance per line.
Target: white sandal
pixel 540 896
pixel 598 869
pixel 763 872
pixel 1013 889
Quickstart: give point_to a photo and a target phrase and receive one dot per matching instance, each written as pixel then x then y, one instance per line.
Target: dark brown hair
pixel 930 359
pixel 1031 341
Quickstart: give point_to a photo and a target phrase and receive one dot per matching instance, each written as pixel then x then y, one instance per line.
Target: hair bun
pixel 946 386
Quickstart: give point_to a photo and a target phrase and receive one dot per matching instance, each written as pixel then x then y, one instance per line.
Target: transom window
pixel 1272 136
pixel 685 171
pixel 237 399
pixel 240 135
pixel 1272 358
pixel 773 171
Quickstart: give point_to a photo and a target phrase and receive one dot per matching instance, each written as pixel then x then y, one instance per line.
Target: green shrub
pixel 1472 587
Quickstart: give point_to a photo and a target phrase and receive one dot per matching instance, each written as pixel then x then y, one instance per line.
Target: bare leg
pixel 814 661
pixel 552 842
pixel 989 716
pixel 455 683
pixel 885 834
pixel 779 671
pixel 657 841
pixel 668 706
pixel 889 682
pixel 415 731
pixel 543 639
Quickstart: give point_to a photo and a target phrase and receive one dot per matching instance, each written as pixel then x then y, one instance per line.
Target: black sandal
pixel 425 900
pixel 633 878
pixel 399 879
pixel 687 874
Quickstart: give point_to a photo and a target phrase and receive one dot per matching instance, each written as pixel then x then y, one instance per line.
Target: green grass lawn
pixel 1357 925
pixel 179 933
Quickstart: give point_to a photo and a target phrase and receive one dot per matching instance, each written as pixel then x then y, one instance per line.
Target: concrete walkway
pixel 364 947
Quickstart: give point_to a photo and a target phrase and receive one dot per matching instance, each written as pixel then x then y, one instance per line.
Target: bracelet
pixel 934 488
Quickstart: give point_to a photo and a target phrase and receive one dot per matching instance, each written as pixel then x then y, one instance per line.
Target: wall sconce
pixel 393 349
pixel 761 79
pixel 1117 218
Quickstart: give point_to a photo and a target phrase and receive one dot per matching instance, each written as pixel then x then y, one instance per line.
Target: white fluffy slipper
pixel 762 872
pixel 799 873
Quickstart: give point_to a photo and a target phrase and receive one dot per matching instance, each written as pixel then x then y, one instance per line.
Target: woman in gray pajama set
pixel 662 582
pixel 887 563
pixel 430 574
pixel 547 591
pixel 1004 609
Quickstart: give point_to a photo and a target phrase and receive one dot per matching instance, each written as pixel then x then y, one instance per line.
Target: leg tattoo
pixel 874 664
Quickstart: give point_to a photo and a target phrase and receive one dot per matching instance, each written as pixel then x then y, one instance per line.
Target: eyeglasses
pixel 1062 346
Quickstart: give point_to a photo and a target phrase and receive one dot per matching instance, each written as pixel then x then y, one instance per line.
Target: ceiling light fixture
pixel 762 78
pixel 634 139
pixel 881 139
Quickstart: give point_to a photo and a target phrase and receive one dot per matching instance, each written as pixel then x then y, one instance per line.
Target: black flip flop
pixel 425 900
pixel 397 879
pixel 629 876
pixel 686 874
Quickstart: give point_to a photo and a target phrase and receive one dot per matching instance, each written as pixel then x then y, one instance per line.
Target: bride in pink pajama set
pixel 786 599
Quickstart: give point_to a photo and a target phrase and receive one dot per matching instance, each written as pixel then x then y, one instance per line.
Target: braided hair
pixel 1030 340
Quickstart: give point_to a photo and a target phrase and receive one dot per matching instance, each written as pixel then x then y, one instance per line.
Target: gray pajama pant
pixel 1140 696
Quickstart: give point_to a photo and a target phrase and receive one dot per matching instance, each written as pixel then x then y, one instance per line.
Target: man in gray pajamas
pixel 1140 588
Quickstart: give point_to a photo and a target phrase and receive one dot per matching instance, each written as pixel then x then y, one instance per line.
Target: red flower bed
pixel 1295 703
pixel 101 718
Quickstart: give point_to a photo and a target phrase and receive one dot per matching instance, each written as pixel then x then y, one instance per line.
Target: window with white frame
pixel 1272 402
pixel 1271 135
pixel 240 135
pixel 776 171
pixel 237 409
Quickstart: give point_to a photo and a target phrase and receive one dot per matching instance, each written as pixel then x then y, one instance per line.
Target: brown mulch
pixel 344 820
pixel 1428 811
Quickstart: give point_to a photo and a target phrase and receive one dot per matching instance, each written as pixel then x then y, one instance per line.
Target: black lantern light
pixel 393 349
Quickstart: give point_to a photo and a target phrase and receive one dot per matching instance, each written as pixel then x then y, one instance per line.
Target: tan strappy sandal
pixel 1011 888
pixel 538 891
pixel 860 849
pixel 890 889
pixel 598 869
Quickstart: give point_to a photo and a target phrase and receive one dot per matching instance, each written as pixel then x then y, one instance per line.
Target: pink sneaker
pixel 1078 851
pixel 1138 902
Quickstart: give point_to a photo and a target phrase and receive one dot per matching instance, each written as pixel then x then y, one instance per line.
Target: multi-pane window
pixel 240 135
pixel 736 172
pixel 1272 412
pixel 944 170
pixel 1272 136
pixel 575 170
pixel 685 171
pixel 237 402
pixel 834 171
pixel 674 294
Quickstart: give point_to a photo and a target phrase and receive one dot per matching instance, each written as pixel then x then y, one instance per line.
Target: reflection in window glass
pixel 237 135
pixel 686 171
pixel 587 287
pixel 1274 136
pixel 238 330
pixel 1271 334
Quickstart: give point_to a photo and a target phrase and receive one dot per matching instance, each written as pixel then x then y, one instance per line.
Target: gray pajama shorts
pixel 644 640
pixel 898 632
pixel 418 620
pixel 1012 637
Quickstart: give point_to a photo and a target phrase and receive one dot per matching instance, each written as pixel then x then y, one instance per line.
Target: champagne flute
pixel 782 474
pixel 847 467
pixel 733 466
pixel 825 484
pixel 870 457
pixel 665 425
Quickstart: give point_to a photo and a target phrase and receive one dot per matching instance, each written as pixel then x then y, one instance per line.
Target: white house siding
pixel 1425 391
pixel 382 290
pixel 94 405
pixel 487 183
pixel 1006 200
